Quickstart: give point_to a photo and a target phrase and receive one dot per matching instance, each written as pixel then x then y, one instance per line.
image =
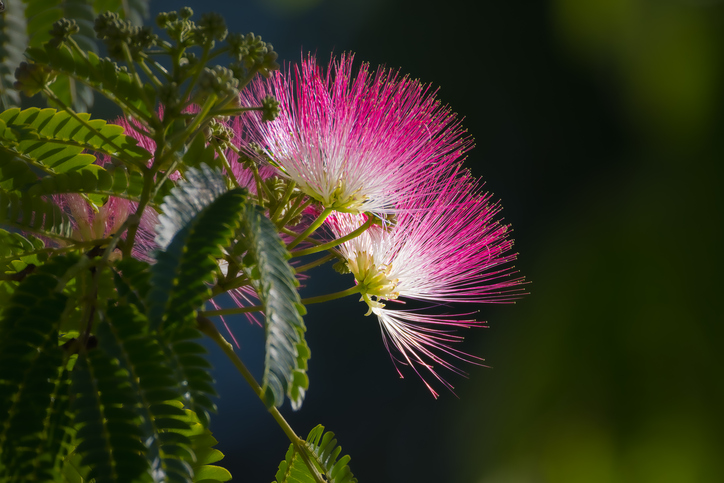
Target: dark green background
pixel 598 123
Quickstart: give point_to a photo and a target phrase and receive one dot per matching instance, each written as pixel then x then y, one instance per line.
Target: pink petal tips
pixel 355 142
pixel 446 246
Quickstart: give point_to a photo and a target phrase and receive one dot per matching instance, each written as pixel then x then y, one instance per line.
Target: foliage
pixel 287 353
pixel 101 375
pixel 117 237
pixel 323 449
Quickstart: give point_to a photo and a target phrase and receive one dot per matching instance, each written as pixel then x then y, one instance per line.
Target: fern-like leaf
pixel 125 336
pixel 54 143
pixel 132 282
pixel 103 75
pixel 13 42
pixel 34 382
pixel 107 181
pixel 202 444
pixel 322 451
pixel 199 218
pixel 40 21
pixel 110 439
pixel 33 214
pixel 287 353
pixel 19 255
pixel 51 126
pixel 186 360
pixel 183 353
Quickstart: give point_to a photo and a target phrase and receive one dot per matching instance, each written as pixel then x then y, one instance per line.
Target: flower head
pixel 355 142
pixel 445 247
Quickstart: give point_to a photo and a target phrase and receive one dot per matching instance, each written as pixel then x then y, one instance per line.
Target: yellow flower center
pixel 373 279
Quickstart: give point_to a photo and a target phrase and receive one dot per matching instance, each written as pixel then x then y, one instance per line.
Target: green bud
pixel 270 108
pixel 342 267
pixel 104 22
pixel 62 30
pixel 162 20
pixel 186 13
pixel 219 80
pixel 144 38
pixel 212 26
pixel 269 63
pixel 32 78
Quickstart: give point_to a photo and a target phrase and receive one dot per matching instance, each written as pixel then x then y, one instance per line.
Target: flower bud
pixel 32 78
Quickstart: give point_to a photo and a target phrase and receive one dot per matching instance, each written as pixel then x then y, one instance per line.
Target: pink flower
pixel 355 142
pixel 445 247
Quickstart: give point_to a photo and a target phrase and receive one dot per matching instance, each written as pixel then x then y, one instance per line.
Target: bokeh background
pixel 598 123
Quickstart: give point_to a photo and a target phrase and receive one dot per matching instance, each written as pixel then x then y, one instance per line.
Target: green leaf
pixel 287 353
pixel 73 471
pixel 33 214
pixel 56 143
pixel 183 354
pixel 199 218
pixel 199 152
pixel 109 436
pixel 18 255
pixel 188 365
pixel 202 444
pixel 53 141
pixel 132 282
pixel 40 22
pixel 103 75
pixel 13 42
pixel 126 337
pixel 322 451
pixel 34 381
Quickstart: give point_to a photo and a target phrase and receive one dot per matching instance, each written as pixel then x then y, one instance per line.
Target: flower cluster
pixel 373 144
pixel 377 159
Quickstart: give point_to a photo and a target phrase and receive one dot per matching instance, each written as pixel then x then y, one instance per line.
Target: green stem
pixel 159 67
pixel 311 228
pixel 334 243
pixel 234 311
pixel 149 73
pixel 197 72
pixel 285 199
pixel 299 205
pixel 261 188
pixel 135 220
pixel 188 132
pixel 137 79
pixel 316 263
pixel 332 296
pixel 307 301
pixel 225 162
pixel 208 328
pixel 103 90
pixel 237 111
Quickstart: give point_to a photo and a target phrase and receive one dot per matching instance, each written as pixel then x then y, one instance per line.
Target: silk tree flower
pixel 445 247
pixel 103 222
pixel 353 141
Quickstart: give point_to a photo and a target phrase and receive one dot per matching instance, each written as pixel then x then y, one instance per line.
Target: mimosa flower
pixel 445 247
pixel 354 142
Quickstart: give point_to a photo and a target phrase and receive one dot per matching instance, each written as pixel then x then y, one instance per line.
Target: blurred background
pixel 598 123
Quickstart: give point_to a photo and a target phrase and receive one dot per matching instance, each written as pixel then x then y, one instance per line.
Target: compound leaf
pixel 287 353
pixel 199 218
